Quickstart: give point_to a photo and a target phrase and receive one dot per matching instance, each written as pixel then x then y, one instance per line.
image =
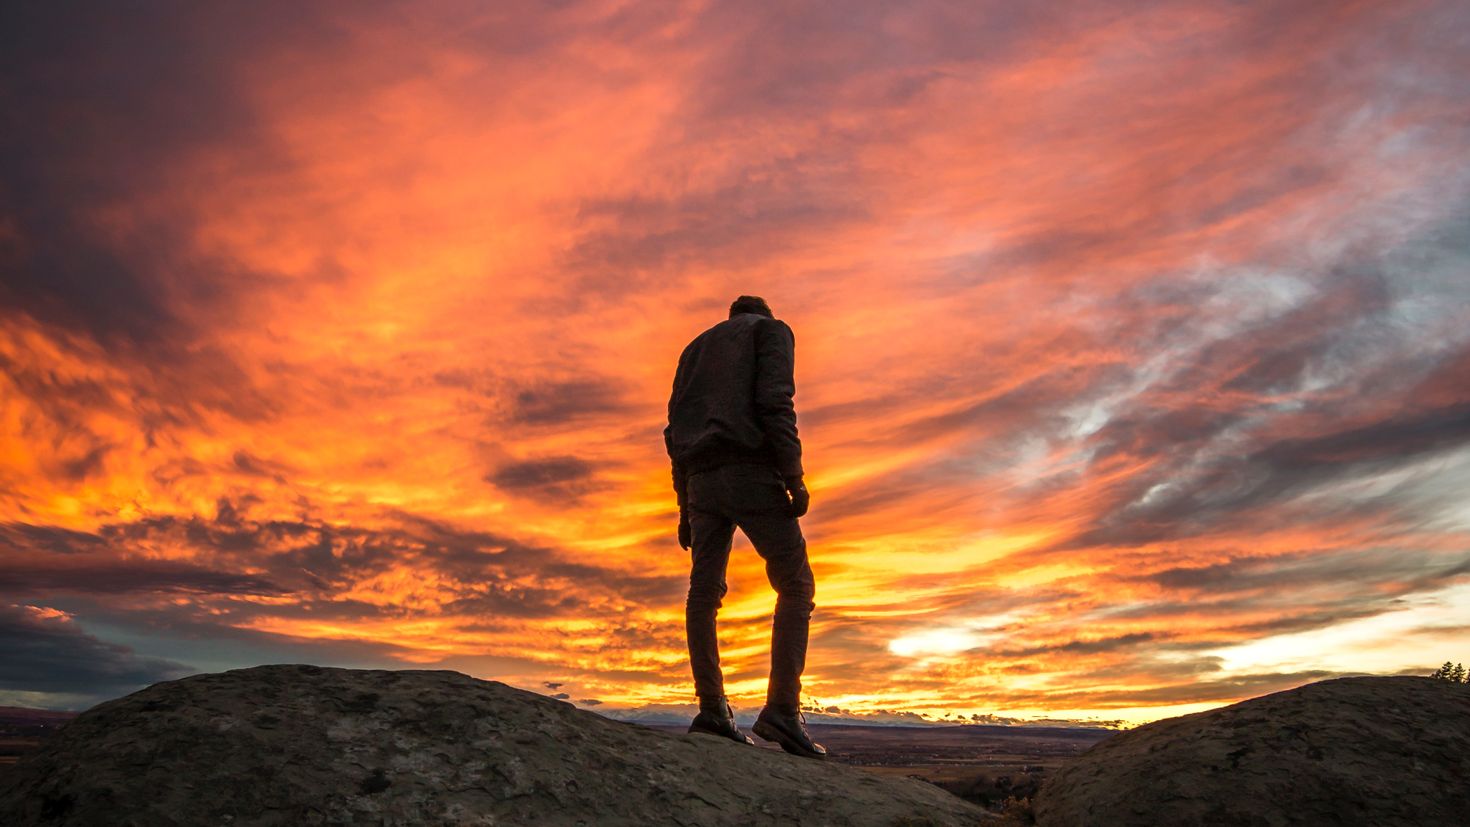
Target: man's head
pixel 750 304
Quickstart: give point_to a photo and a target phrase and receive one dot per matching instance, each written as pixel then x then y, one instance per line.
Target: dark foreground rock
pixel 304 745
pixel 1381 751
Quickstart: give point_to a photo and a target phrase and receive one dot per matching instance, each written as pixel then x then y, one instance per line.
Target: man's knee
pixel 704 598
pixel 797 589
pixel 800 590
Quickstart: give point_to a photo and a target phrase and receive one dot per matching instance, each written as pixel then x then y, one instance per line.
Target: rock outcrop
pixel 306 745
pixel 1381 751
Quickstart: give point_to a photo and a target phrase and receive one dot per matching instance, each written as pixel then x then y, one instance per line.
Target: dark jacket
pixel 732 400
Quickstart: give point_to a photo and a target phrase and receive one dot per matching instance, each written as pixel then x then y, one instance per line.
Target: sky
pixel 1132 342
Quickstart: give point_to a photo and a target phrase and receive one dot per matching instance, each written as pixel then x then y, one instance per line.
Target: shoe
pixel 788 730
pixel 717 718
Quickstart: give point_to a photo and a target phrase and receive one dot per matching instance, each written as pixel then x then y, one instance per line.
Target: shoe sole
pixel 742 739
pixel 769 732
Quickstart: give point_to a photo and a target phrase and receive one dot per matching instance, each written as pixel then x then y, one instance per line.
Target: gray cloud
pixel 53 654
pixel 1338 385
pixel 1226 486
pixel 552 478
pixel 98 102
pixel 1367 570
pixel 50 539
pixel 560 402
pixel 1218 690
pixel 1082 647
pixel 111 575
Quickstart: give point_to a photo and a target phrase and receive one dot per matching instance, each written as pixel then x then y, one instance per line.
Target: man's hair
pixel 751 304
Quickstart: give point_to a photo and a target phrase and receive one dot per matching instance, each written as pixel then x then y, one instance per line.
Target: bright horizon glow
pixel 1370 644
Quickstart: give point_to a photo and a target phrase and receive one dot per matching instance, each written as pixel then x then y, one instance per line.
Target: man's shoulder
pixel 767 326
pixel 758 323
pixel 737 325
pixel 740 326
pixel 702 337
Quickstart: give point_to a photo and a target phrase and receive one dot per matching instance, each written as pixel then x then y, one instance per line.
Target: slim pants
pixel 753 498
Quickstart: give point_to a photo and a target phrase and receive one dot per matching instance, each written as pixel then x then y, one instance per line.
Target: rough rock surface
pixel 303 745
pixel 1379 751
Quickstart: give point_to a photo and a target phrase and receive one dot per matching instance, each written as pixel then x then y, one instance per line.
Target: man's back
pixel 732 399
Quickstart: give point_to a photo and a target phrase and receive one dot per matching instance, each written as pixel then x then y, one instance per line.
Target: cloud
pixel 52 539
pixel 119 576
pixel 48 652
pixel 328 572
pixel 549 478
pixel 1368 569
pixel 1276 473
pixel 1221 690
pixel 159 103
pixel 558 403
pixel 1087 647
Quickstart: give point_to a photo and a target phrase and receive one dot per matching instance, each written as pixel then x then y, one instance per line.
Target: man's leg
pixel 712 535
pixel 777 538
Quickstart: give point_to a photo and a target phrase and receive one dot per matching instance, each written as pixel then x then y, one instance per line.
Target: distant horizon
pixel 744 715
pixel 674 714
pixel 1132 342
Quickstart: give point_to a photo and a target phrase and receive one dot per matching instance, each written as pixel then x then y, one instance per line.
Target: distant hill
pixel 23 730
pixel 25 716
pixel 286 745
pixel 1379 751
pixel 679 715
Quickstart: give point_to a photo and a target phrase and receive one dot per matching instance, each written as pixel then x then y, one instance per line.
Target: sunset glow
pixel 1132 342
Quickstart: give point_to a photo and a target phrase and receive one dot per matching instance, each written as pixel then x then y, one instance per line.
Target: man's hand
pixel 801 499
pixel 686 536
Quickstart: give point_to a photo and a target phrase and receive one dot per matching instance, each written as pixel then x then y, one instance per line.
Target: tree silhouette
pixel 1452 672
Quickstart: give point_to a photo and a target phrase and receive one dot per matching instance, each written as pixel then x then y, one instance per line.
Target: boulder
pixel 1381 751
pixel 307 745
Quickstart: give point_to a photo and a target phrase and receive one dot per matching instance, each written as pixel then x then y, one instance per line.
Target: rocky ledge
pixel 1380 751
pixel 307 745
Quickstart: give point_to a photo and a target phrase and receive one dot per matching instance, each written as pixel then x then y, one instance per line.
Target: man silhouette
pixel 737 463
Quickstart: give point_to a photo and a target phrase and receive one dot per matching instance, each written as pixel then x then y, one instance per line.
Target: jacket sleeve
pixel 681 491
pixel 680 488
pixel 775 389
